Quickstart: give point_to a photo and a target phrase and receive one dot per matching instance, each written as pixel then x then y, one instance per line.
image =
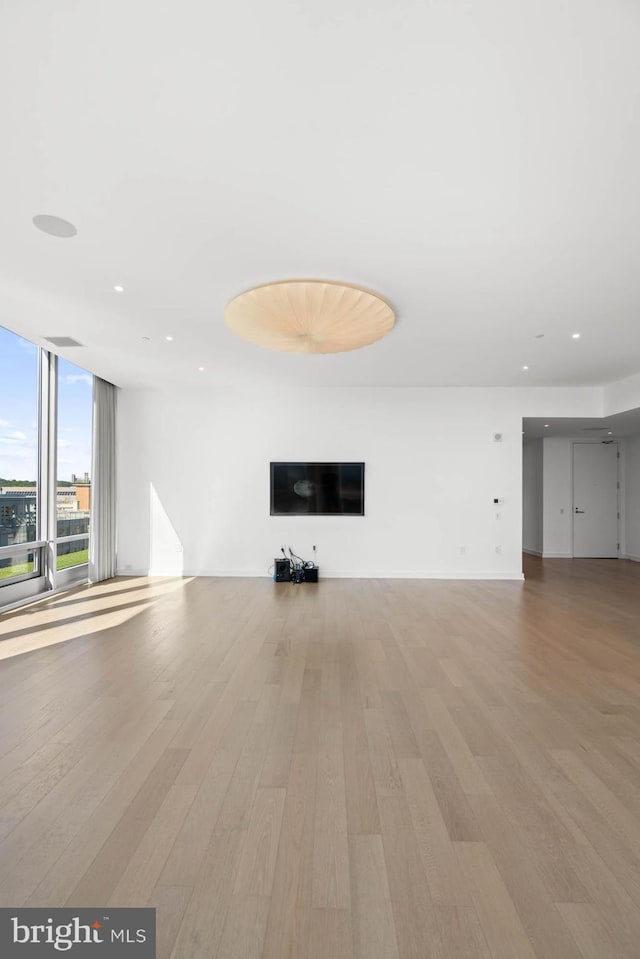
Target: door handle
pixel 579 510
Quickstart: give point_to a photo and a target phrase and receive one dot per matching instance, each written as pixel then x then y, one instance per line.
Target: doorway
pixel 588 465
pixel 595 499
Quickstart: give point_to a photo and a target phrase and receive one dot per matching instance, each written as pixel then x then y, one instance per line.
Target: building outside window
pixel 73 496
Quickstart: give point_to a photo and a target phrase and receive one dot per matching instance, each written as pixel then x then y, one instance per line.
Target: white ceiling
pixel 475 161
pixel 611 427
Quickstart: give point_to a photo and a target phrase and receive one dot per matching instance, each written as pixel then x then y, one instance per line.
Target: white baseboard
pixel 339 574
pixel 635 559
pixel 532 552
pixel 557 556
pixel 424 574
pixel 189 574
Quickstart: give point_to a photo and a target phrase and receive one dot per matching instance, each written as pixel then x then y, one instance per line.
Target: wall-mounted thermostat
pixel 497 437
pixel 498 500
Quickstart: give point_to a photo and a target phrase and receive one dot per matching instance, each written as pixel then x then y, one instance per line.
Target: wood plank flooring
pixel 362 769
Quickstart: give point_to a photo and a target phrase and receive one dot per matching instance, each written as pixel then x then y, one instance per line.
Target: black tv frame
pixel 274 464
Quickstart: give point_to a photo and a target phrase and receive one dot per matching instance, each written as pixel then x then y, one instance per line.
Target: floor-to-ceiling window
pixel 45 465
pixel 20 554
pixel 73 491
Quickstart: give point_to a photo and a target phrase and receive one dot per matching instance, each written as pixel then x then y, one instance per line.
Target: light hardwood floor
pixel 356 770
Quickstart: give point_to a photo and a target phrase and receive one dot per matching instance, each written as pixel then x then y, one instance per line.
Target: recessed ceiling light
pixel 609 432
pixel 119 289
pixel 546 426
pixel 525 367
pixel 54 226
pixel 168 338
pixel 201 369
pixel 575 336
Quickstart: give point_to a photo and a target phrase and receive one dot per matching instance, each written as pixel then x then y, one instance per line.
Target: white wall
pixel 631 543
pixel 194 478
pixel 532 498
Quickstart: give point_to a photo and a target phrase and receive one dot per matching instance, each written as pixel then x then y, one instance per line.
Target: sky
pixel 18 412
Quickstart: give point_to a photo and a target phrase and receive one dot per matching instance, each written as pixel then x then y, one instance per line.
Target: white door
pixel 595 499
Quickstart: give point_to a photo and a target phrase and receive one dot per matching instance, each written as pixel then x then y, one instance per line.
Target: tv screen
pixel 317 489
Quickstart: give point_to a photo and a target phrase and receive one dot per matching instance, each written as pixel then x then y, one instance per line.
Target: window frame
pixel 45 576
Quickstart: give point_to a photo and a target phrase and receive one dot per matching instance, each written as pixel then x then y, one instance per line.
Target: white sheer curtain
pixel 102 551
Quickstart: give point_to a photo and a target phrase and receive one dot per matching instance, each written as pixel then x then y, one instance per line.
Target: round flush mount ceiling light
pixel 309 316
pixel 54 225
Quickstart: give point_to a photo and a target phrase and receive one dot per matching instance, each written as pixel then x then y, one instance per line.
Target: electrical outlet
pixel 463 550
pixel 498 550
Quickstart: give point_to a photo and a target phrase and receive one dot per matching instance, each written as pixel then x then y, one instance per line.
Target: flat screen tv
pixel 317 489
